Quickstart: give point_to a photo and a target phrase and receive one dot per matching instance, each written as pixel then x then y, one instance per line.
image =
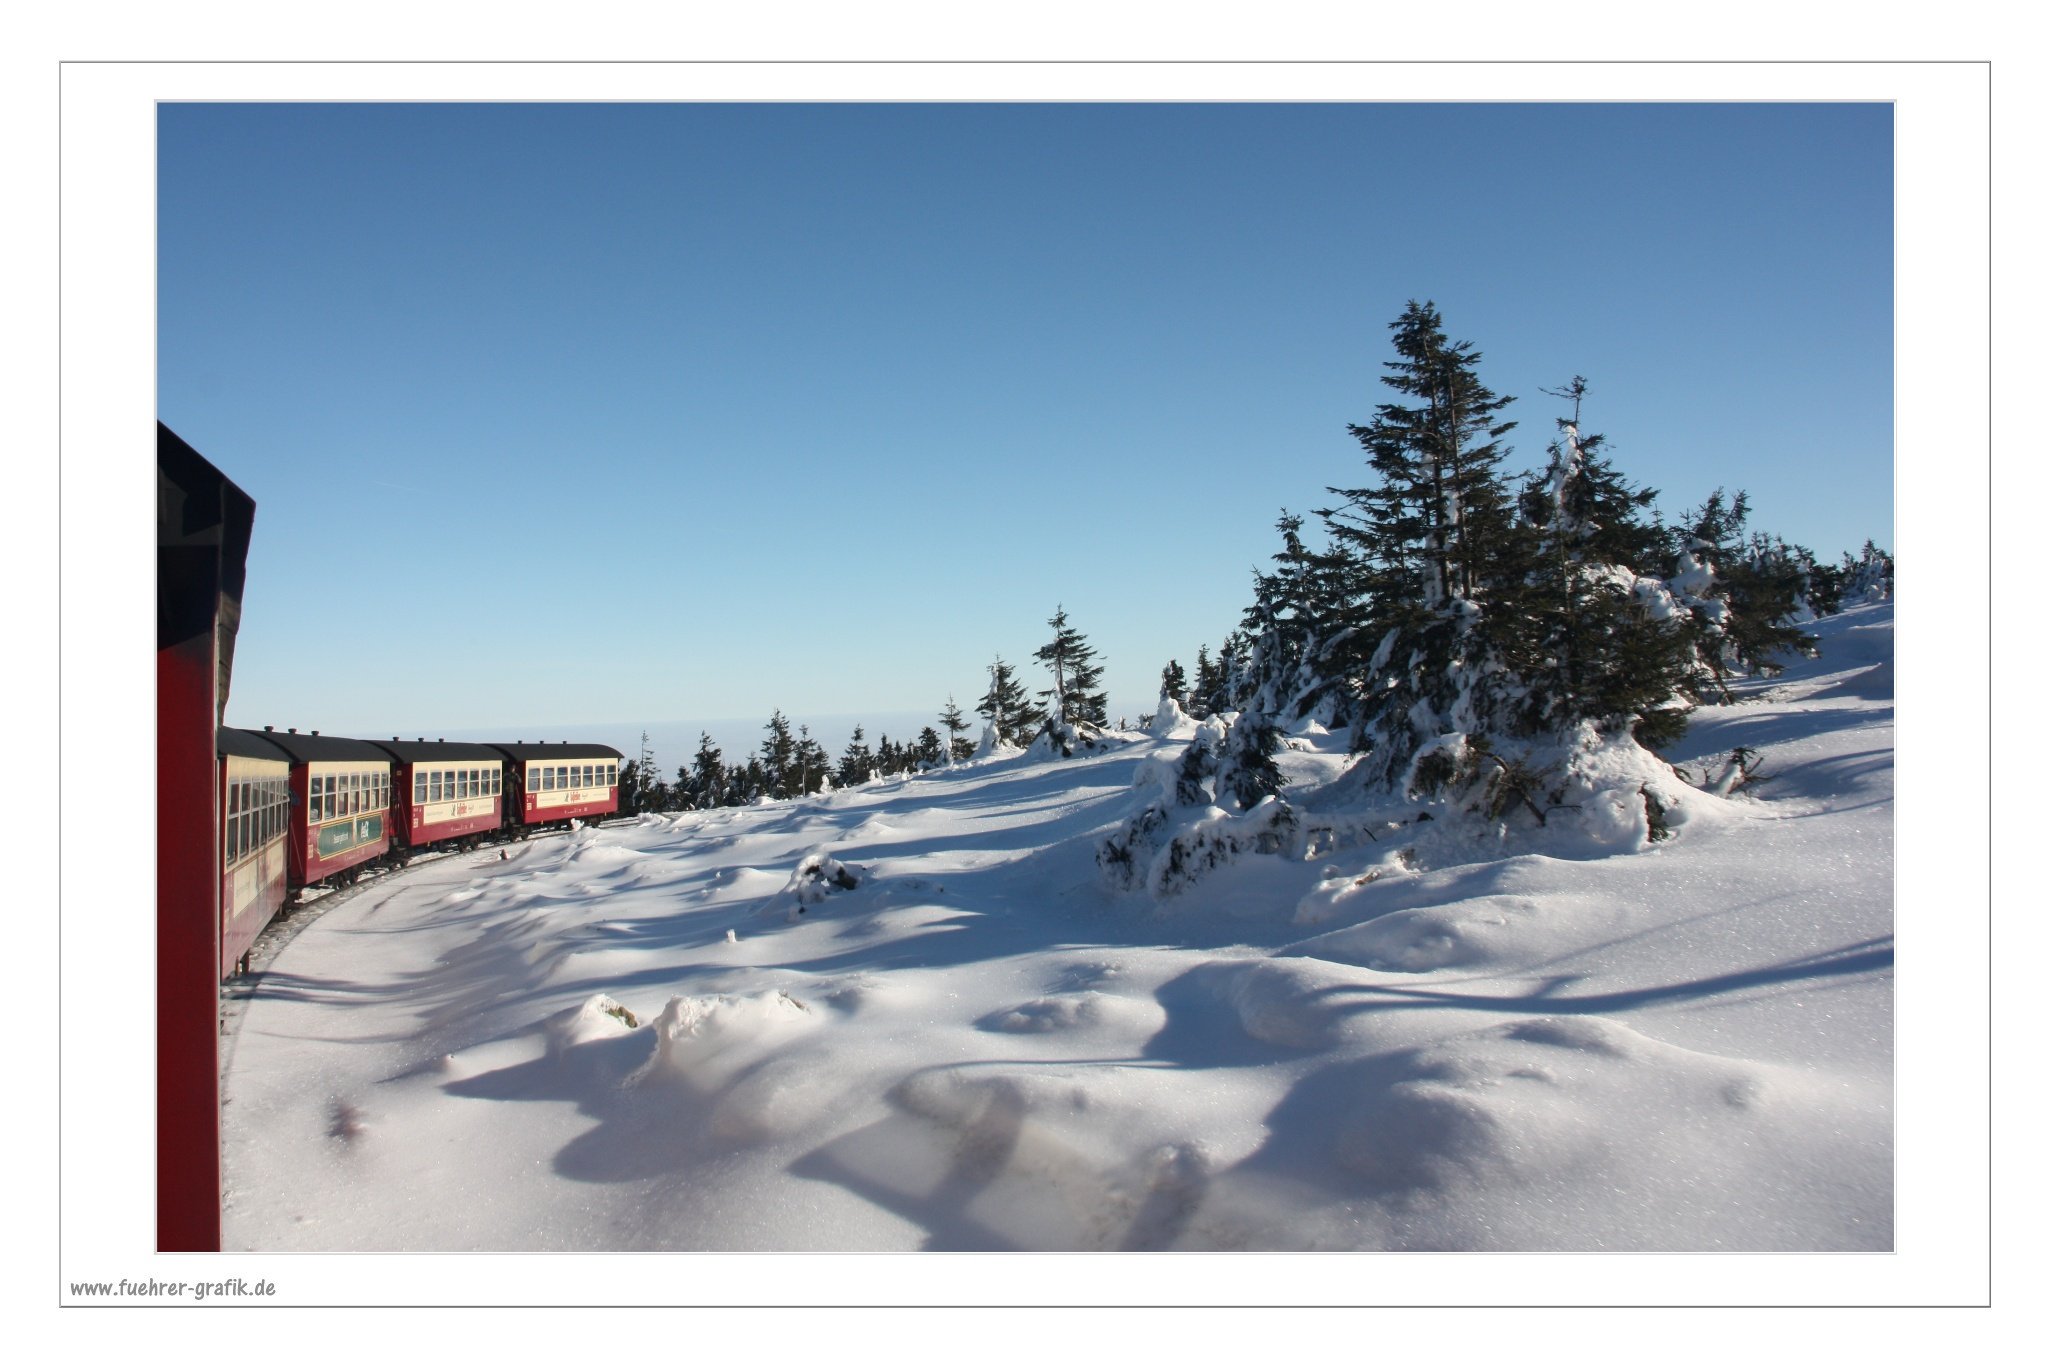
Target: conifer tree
pixel 707 771
pixel 1075 696
pixel 778 754
pixel 958 746
pixel 1438 559
pixel 857 763
pixel 1007 707
pixel 1743 593
pixel 1173 683
pixel 1208 683
pixel 1584 644
pixel 929 751
pixel 810 763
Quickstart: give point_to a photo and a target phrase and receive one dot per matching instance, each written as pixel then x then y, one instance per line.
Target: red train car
pixel 254 795
pixel 443 793
pixel 551 784
pixel 340 805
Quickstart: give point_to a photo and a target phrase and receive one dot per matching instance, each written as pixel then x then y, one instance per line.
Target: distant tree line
pixel 1072 712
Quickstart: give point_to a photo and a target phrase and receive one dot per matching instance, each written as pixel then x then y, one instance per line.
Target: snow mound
pixel 817 877
pixel 709 1039
pixel 1642 1134
pixel 1080 1011
pixel 1171 722
pixel 597 1018
pixel 1466 933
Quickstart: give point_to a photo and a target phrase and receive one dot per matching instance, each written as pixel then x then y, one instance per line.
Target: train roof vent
pixel 269 729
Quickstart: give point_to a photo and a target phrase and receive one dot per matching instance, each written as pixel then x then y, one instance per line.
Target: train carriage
pixel 443 792
pixel 550 784
pixel 340 805
pixel 254 794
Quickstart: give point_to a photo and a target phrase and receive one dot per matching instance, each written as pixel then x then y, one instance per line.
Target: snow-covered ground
pixel 690 1033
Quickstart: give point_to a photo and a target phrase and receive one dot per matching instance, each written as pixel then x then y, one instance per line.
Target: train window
pixel 590 775
pixel 324 799
pixel 419 787
pixel 434 791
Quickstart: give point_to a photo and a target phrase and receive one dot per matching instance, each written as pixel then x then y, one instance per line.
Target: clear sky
pixel 568 415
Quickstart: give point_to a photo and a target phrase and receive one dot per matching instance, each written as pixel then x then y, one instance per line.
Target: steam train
pixel 300 811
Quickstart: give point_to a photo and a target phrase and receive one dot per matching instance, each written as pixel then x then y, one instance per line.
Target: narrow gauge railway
pixel 300 812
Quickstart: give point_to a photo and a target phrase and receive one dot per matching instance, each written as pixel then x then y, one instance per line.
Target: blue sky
pixel 566 415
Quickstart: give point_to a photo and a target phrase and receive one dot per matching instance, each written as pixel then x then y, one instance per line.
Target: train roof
pixel 247 744
pixel 312 747
pixel 437 750
pixel 540 753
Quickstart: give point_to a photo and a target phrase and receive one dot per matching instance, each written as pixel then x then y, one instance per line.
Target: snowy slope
pixel 689 1034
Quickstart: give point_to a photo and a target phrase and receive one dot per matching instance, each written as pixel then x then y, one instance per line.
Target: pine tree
pixel 707 772
pixel 1585 643
pixel 857 763
pixel 1006 706
pixel 778 754
pixel 1743 593
pixel 929 751
pixel 810 763
pixel 1173 683
pixel 1208 683
pixel 958 746
pixel 1438 560
pixel 1075 697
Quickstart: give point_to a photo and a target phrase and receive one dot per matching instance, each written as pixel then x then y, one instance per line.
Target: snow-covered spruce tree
pixel 777 756
pixel 1597 641
pixel 1291 632
pixel 1076 709
pixel 1867 577
pixel 1173 683
pixel 929 751
pixel 1439 559
pixel 857 764
pixel 1011 714
pixel 1208 683
pixel 1743 596
pixel 958 746
pixel 1246 773
pixel 707 772
pixel 810 764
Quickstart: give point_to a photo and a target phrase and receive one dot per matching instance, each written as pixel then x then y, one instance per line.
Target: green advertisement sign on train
pixel 344 835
